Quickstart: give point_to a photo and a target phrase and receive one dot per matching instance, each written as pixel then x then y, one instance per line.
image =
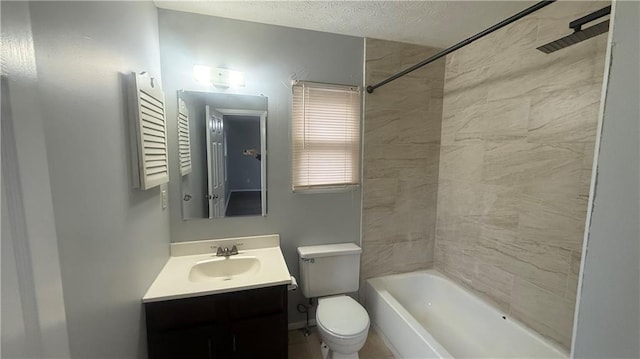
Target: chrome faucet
pixel 226 252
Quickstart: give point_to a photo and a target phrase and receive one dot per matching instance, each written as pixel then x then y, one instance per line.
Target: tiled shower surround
pixel 401 151
pixel 506 153
pixel 518 133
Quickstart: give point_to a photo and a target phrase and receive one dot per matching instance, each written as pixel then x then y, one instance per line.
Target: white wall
pixel 113 240
pixel 609 314
pixel 270 56
pixel 33 314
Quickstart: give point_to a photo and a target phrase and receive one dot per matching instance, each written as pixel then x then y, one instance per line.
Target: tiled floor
pixel 301 347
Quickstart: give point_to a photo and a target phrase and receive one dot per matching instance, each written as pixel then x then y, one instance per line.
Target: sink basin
pixel 224 268
pixel 194 270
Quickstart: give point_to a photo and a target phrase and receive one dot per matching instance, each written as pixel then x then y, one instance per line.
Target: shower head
pixel 580 34
pixel 575 38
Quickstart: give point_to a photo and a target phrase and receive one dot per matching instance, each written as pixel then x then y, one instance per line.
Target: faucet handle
pixel 220 251
pixel 234 250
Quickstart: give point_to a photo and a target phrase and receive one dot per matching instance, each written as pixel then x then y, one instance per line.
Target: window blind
pixel 325 136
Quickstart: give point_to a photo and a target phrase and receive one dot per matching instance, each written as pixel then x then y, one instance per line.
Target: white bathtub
pixel 426 315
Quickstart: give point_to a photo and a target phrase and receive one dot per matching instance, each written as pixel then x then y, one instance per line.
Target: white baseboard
pixel 301 324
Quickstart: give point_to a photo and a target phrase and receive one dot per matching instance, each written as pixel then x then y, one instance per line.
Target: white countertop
pixel 173 281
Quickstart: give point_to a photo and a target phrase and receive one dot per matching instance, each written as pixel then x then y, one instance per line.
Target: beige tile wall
pixel 401 152
pixel 518 134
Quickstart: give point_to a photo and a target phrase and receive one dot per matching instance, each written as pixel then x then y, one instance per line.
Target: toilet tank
pixel 329 269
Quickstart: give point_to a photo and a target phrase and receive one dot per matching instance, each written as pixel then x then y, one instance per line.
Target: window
pixel 325 136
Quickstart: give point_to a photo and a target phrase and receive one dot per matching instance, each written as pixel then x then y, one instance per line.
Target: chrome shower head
pixel 579 33
pixel 575 38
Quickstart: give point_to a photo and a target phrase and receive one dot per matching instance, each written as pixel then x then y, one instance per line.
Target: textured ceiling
pixel 433 23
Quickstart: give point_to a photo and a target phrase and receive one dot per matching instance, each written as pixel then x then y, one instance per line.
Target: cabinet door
pixel 264 338
pixel 193 343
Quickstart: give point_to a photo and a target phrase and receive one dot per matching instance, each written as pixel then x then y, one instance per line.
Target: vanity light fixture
pixel 227 78
pixel 202 74
pixel 218 77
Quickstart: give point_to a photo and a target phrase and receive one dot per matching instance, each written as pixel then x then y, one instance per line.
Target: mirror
pixel 227 146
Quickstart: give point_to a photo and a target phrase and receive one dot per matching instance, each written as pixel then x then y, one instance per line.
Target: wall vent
pixel 150 158
pixel 184 146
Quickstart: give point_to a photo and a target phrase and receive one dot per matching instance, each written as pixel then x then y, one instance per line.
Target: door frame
pixel 263 147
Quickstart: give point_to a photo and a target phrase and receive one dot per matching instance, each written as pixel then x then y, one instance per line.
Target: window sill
pixel 341 189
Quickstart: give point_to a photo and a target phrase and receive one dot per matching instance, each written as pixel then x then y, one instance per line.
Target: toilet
pixel 328 272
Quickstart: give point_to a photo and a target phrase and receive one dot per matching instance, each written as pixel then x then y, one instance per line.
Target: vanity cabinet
pixel 244 324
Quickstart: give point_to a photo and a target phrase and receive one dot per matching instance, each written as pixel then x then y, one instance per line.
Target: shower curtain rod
pixel 463 43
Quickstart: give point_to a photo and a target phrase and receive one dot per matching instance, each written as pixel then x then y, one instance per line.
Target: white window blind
pixel 151 166
pixel 325 136
pixel 184 144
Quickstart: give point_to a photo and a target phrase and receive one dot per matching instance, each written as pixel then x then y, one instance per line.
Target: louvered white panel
pixel 151 160
pixel 184 146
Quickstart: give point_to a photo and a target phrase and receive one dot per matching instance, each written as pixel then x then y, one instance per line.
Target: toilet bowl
pixel 343 325
pixel 328 272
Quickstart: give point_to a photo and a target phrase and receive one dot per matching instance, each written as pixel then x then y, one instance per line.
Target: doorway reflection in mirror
pixel 227 139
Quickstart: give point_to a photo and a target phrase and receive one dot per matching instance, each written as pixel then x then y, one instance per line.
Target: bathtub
pixel 425 315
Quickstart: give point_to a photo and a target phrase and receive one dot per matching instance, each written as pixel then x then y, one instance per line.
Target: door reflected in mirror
pixel 227 148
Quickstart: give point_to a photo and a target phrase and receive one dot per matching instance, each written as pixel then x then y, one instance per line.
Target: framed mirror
pixel 222 139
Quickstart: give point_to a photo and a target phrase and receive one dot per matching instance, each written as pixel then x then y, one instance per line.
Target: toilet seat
pixel 342 317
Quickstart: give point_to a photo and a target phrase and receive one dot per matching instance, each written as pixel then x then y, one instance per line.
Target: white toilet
pixel 328 272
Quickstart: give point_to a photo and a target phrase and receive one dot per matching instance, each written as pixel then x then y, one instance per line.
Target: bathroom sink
pixel 224 268
pixel 194 269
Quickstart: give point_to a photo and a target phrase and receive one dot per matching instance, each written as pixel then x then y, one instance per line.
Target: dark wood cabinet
pixel 249 341
pixel 199 342
pixel 238 325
